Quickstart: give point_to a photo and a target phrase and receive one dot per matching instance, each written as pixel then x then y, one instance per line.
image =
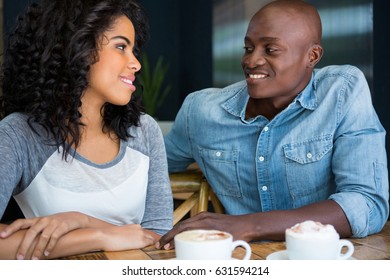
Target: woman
pixel 85 166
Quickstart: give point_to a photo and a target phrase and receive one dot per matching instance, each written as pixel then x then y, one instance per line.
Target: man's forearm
pixel 271 225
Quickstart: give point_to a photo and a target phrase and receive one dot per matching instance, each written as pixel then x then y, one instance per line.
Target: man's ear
pixel 315 54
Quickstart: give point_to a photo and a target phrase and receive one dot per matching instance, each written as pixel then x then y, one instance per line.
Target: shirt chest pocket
pixel 309 170
pixel 221 170
pixel 308 151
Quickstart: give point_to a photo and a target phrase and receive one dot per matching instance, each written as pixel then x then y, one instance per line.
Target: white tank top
pixel 95 190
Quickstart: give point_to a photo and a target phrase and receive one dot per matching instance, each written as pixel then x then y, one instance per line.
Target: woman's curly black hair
pixel 48 56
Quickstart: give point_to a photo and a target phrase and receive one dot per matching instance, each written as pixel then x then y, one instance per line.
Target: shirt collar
pixel 236 105
pixel 307 97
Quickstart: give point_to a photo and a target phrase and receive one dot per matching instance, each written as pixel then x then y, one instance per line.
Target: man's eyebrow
pixel 264 39
pixel 123 38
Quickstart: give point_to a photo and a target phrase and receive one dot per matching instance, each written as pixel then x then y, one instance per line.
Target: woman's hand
pixel 43 233
pixel 72 233
pixel 118 238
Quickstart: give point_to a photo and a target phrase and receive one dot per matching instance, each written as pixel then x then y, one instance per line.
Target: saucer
pixel 282 255
pixel 232 259
pixel 279 255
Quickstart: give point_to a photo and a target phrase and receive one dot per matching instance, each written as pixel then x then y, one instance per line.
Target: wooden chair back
pixel 196 193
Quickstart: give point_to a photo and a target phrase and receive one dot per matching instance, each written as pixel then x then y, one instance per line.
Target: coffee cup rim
pixel 229 236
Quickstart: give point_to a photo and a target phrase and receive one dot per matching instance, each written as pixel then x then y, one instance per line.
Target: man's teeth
pixel 257 76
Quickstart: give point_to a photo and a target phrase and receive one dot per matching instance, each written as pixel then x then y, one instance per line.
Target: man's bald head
pixel 303 15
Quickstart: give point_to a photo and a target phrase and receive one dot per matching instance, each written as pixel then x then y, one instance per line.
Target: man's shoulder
pixel 347 81
pixel 217 93
pixel 338 71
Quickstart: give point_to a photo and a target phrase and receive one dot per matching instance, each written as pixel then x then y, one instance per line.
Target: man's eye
pixel 270 50
pixel 248 49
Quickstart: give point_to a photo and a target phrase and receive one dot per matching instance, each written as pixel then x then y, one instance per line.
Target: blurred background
pixel 200 43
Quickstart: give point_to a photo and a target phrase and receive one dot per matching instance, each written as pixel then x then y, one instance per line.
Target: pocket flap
pixel 219 155
pixel 309 150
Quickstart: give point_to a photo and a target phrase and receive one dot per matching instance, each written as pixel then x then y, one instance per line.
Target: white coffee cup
pixel 311 240
pixel 207 245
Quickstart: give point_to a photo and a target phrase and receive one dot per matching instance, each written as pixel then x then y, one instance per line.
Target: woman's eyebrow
pixel 123 38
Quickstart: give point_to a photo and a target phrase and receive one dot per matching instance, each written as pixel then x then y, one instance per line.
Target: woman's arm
pixel 108 238
pixel 42 233
pixel 38 237
pixel 158 214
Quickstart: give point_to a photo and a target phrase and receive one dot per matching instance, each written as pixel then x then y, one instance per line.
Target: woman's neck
pixel 97 144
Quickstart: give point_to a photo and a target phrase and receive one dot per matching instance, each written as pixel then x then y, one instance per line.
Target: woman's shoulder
pixel 15 118
pixel 21 128
pixel 14 121
pixel 147 134
pixel 148 121
pixel 148 126
pixel 21 123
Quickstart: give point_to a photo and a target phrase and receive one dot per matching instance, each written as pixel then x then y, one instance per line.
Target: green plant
pixel 152 78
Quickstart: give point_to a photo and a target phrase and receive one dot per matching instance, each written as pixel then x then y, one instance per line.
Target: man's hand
pixel 238 226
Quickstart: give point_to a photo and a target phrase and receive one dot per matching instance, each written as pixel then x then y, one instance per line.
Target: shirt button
pixel 264 188
pixel 266 128
pixel 261 158
pixel 309 155
pixel 218 154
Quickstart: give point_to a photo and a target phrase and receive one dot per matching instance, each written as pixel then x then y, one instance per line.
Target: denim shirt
pixel 327 144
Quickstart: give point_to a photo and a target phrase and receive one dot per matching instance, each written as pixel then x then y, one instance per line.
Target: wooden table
pixel 374 247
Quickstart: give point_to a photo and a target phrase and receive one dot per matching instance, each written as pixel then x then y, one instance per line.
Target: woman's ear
pixel 316 52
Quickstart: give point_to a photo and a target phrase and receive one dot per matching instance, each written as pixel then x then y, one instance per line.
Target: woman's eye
pixel 121 47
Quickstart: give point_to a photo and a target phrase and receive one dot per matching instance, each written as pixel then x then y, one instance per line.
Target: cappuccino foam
pixel 311 229
pixel 202 235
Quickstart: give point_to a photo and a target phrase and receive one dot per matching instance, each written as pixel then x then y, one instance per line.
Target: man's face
pixel 277 55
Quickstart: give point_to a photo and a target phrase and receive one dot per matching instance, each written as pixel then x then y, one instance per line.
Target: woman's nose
pixel 134 63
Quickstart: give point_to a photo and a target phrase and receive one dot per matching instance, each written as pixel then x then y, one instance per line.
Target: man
pixel 290 143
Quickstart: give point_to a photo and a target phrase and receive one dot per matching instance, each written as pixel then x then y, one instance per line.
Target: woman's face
pixel 111 77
